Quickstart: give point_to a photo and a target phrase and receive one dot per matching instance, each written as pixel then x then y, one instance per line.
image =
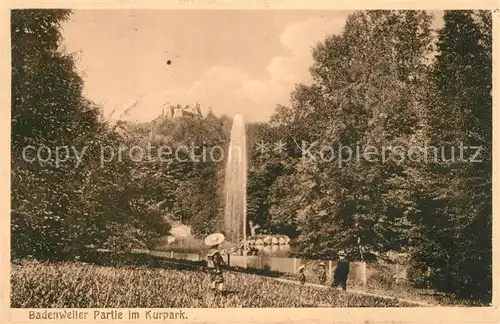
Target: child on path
pixel 214 261
pixel 302 276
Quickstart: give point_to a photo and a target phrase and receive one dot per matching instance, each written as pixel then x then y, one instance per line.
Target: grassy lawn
pixel 79 285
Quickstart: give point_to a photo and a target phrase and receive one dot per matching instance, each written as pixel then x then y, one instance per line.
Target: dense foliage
pixel 386 83
pixel 188 183
pixel 408 98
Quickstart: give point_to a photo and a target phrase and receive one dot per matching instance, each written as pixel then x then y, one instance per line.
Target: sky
pixel 236 62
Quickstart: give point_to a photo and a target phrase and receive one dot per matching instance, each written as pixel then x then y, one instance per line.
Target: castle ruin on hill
pixel 171 111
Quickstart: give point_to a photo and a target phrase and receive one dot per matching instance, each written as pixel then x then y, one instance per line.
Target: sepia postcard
pixel 261 162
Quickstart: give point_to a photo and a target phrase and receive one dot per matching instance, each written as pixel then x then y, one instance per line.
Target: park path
pixel 351 291
pixel 355 291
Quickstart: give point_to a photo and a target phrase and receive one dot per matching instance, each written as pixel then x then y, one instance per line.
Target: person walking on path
pixel 322 273
pixel 215 261
pixel 302 276
pixel 341 272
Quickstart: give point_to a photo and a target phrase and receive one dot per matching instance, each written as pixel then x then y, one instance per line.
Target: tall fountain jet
pixel 236 184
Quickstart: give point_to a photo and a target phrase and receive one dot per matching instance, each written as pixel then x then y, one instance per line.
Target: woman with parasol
pixel 214 261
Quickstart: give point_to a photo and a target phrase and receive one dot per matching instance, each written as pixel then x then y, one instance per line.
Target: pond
pixel 195 245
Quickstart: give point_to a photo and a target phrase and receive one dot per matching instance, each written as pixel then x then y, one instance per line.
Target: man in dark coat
pixel 341 272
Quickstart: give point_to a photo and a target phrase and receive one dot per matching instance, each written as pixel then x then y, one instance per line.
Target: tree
pixel 458 222
pixel 367 90
pixel 77 200
pixel 266 166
